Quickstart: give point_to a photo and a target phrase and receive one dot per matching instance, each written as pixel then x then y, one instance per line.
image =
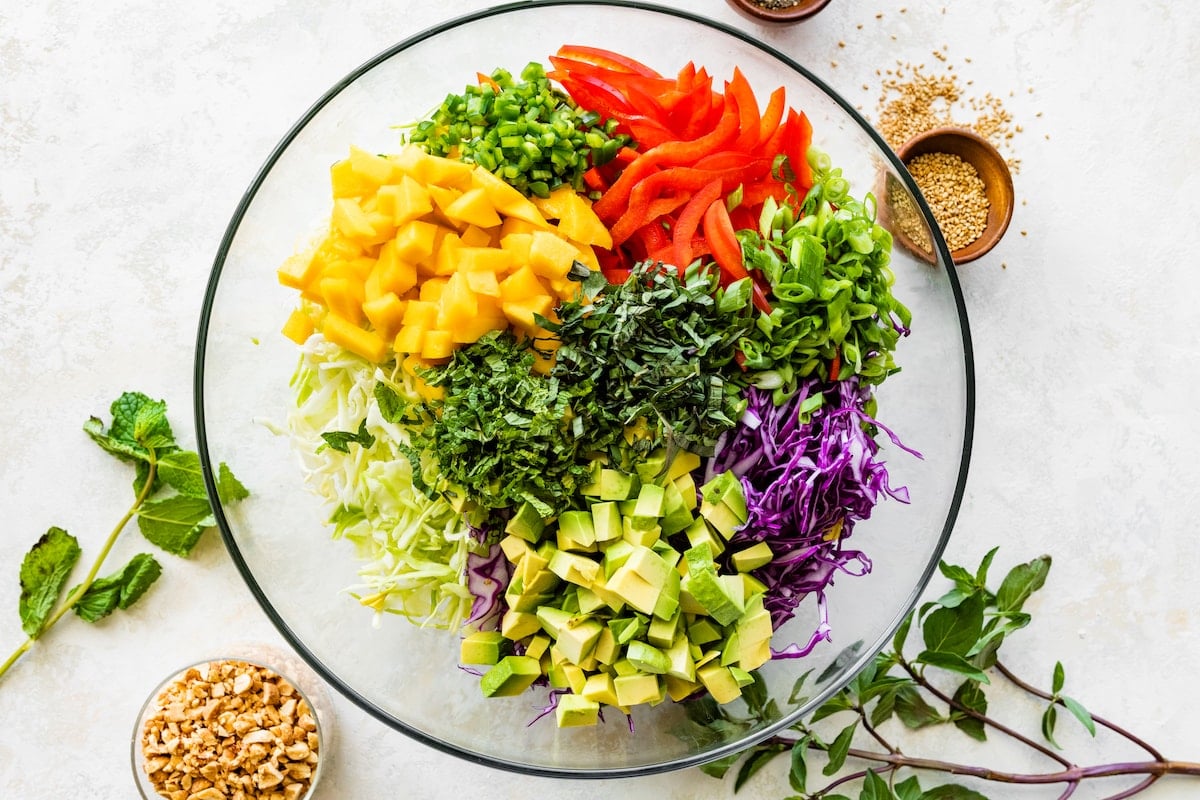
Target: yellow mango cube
pixel 507 200
pixel 409 339
pixel 474 208
pixel 580 223
pixel 457 304
pixel 299 271
pixel 488 259
pixel 344 297
pixel 518 244
pixel 431 290
pixel 420 312
pixel 475 236
pixel 551 256
pixel 372 168
pixel 415 240
pixel 438 345
pixel 483 281
pixel 346 334
pixel 385 313
pixel 348 183
pixel 406 200
pixel 351 221
pixel 299 326
pixel 521 285
pixel 521 312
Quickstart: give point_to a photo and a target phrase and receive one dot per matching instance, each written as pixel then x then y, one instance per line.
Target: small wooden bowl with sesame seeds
pixel 967 185
pixel 778 11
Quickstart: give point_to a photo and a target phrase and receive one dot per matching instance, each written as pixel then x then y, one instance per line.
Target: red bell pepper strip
pixel 606 58
pixel 653 237
pixel 748 117
pixel 727 251
pixel 689 152
pixel 835 365
pixel 594 179
pixel 772 115
pixel 593 94
pixel 689 222
pixel 486 80
pixel 797 138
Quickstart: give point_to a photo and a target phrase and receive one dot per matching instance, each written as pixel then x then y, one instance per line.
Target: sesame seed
pixel 956 196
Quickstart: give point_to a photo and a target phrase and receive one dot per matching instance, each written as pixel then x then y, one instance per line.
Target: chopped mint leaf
pixel 44 570
pixel 175 523
pixel 119 590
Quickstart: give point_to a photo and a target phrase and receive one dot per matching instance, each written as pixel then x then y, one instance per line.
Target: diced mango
pixel 343 297
pixel 555 206
pixel 521 285
pixel 483 281
pixel 438 345
pixel 473 207
pixel 521 312
pixel 299 271
pixel 351 220
pixel 506 199
pixel 457 305
pixel 373 168
pixel 551 256
pixel 489 259
pixel 410 338
pixel 415 240
pixel 348 183
pixel 580 223
pixel 406 200
pixel 518 244
pixel 385 314
pixel 420 312
pixel 431 290
pixel 475 236
pixel 355 339
pixel 299 326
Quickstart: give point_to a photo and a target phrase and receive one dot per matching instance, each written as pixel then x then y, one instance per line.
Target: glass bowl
pixel 300 704
pixel 408 677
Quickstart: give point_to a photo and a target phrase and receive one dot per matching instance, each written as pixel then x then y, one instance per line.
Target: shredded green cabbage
pixel 412 549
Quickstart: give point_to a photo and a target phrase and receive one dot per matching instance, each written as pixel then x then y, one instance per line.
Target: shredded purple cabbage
pixel 487 577
pixel 806 484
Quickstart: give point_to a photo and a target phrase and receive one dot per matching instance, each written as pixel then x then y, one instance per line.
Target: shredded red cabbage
pixel 809 470
pixel 487 577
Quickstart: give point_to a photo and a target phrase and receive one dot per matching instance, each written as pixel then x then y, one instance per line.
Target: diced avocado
pixel 592 487
pixel 649 501
pixel 699 557
pixel 753 586
pixel 703 631
pixel 720 682
pixel 753 655
pixel 575 710
pixel 638 688
pixel 575 531
pixel 482 647
pixel 527 603
pixel 741 676
pixel 606 649
pixel 661 632
pixel 652 467
pixel 641 536
pixel 511 676
pixel 646 657
pixel 516 625
pixel 615 555
pixel 514 548
pixel 679 689
pixel 686 487
pixel 567 676
pixel 625 629
pixel 731 649
pixel 726 488
pixel 688 604
pixel 622 667
pixel 613 600
pixel 589 601
pixel 713 595
pixel 553 620
pixel 533 563
pixel 606 522
pixel 668 553
pixel 649 565
pixel 753 557
pixel 676 516
pixel 679 658
pixel 599 688
pixel 574 568
pixel 542 583
pixel 700 531
pixel 735 590
pixel 557 676
pixel 633 589
pixel 617 485
pixel 667 605
pixel 707 657
pixel 722 518
pixel 527 523
pixel 659 469
pixel 577 638
pixel 537 646
pixel 755 622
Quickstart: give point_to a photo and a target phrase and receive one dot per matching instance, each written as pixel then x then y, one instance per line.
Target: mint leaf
pixel 839 748
pixel 44 570
pixel 955 630
pixel 970 695
pixel 119 590
pixel 982 573
pixel 181 471
pixel 139 425
pixel 952 791
pixel 952 662
pixel 902 634
pixel 1021 582
pixel 341 440
pixel 229 488
pixel 175 523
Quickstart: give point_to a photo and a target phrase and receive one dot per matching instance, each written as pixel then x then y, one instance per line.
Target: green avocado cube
pixel 662 631
pixel 578 637
pixel 679 659
pixel 721 518
pixel 575 531
pixel 667 604
pixel 650 501
pixel 686 486
pixel 699 532
pixel 634 532
pixel 482 647
pixel 635 590
pixel 606 649
pixel 758 555
pixel 606 522
pixel 646 657
pixel 726 488
pixel 741 677
pixel 617 485
pixel 719 681
pixel 575 710
pixel 592 487
pixel 574 568
pixel 514 548
pixel 703 631
pixel 713 596
pixel 527 523
pixel 638 688
pixel 731 649
pixel 537 646
pixel 516 625
pixel 649 565
pixel 553 620
pixel 511 676
pixel 615 554
pixel 651 468
pixel 599 687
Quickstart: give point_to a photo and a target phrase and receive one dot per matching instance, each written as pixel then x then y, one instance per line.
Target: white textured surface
pixel 128 131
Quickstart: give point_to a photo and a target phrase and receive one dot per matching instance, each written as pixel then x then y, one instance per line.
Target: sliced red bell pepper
pixel 772 115
pixel 593 94
pixel 749 118
pixel 835 365
pixel 727 251
pixel 689 222
pixel 606 58
pixel 689 152
pixel 796 139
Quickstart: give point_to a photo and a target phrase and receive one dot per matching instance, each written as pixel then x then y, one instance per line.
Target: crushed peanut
pixel 230 730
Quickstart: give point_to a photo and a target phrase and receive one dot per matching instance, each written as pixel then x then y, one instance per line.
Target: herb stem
pixel 869 728
pixel 1074 774
pixel 1036 692
pixel 81 590
pixel 986 720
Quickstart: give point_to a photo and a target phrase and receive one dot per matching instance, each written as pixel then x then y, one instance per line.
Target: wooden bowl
pixel 801 11
pixel 992 169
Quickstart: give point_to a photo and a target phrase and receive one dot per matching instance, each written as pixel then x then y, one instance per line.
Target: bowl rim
pixel 209 464
pixel 797 13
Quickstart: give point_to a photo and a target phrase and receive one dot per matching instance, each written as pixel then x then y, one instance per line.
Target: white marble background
pixel 129 129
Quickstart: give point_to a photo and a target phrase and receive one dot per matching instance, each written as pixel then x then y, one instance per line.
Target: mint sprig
pixel 956 640
pixel 172 510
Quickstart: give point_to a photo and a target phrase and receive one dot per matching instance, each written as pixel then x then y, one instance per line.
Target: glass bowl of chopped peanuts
pixel 229 729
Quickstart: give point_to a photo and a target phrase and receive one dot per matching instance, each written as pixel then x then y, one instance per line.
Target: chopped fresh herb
pixel 653 361
pixel 341 440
